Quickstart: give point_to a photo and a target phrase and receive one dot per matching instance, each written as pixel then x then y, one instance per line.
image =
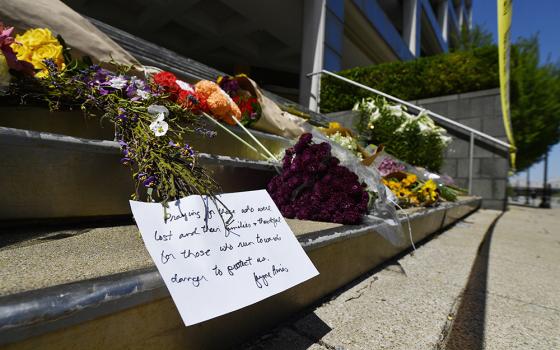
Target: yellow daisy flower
pixel 409 180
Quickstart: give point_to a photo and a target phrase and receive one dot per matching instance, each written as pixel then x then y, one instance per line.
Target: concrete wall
pixel 480 110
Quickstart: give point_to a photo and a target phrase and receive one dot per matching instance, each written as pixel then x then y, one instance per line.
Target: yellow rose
pixel 36 37
pixel 23 52
pixel 50 51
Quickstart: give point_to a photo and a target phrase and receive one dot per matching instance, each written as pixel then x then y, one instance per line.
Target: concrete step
pixel 43 173
pixel 101 283
pixel 76 124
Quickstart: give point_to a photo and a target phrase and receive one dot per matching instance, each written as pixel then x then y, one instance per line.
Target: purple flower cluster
pixel 104 82
pixel 148 180
pixel 314 186
pixel 185 151
pixel 389 166
pixel 127 153
pixel 229 85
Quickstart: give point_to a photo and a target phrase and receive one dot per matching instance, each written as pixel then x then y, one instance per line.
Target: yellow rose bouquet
pixel 37 45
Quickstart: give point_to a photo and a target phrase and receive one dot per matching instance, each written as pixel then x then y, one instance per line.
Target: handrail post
pixel 471 161
pixel 317 93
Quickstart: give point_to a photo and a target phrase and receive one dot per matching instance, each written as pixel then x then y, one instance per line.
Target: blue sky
pixel 529 17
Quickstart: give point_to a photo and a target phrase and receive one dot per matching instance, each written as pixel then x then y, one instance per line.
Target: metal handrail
pixel 468 129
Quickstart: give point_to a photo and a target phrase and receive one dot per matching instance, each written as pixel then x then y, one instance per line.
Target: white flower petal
pixel 159 127
pixel 159 117
pixel 118 82
pixel 184 86
pixel 144 95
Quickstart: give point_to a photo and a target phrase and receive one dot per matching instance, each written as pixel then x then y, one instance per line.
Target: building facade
pixel 342 34
pixel 279 42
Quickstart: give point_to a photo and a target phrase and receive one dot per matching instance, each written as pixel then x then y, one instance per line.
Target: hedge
pixel 439 75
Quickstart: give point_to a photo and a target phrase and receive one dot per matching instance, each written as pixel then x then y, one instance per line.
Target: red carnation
pixel 193 101
pixel 167 81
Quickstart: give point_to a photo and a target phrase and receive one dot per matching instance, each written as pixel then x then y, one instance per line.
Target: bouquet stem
pixel 234 135
pixel 255 139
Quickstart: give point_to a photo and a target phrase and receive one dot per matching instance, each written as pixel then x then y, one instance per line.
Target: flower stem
pixel 234 135
pixel 255 139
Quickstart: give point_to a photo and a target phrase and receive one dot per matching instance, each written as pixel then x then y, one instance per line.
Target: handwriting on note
pixel 217 256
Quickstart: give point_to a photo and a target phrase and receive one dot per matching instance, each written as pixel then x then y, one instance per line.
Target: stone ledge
pixel 117 283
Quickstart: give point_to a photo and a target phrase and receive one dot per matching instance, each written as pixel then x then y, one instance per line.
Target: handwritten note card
pixel 219 256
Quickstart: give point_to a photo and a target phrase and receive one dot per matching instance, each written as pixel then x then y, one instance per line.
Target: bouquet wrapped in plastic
pixel 415 186
pixel 258 111
pixel 314 186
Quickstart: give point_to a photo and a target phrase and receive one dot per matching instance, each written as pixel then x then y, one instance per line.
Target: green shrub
pixel 425 77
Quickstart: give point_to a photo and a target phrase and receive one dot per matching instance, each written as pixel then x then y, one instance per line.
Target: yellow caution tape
pixel 504 27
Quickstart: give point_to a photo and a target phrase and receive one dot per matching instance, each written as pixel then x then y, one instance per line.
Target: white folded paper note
pixel 217 257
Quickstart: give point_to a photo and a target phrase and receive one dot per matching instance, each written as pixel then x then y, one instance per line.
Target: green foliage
pixel 535 102
pixel 413 139
pixel 534 88
pixel 409 80
pixel 473 38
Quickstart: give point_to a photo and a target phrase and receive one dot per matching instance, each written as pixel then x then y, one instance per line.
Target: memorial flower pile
pixel 410 191
pixel 150 115
pixel 314 186
pixel 180 92
pixel 219 103
pixel 343 137
pixel 246 100
pixel 389 166
pixel 414 139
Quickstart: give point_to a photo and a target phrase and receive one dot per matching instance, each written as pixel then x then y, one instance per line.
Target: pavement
pixel 492 281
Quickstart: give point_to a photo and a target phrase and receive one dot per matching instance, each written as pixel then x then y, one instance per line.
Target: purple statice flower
pixel 147 179
pixel 50 65
pixel 101 75
pixel 389 166
pixel 150 181
pixel 127 153
pixel 122 117
pixel 126 161
pixel 136 89
pixel 313 186
pixel 130 91
pixel 185 151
